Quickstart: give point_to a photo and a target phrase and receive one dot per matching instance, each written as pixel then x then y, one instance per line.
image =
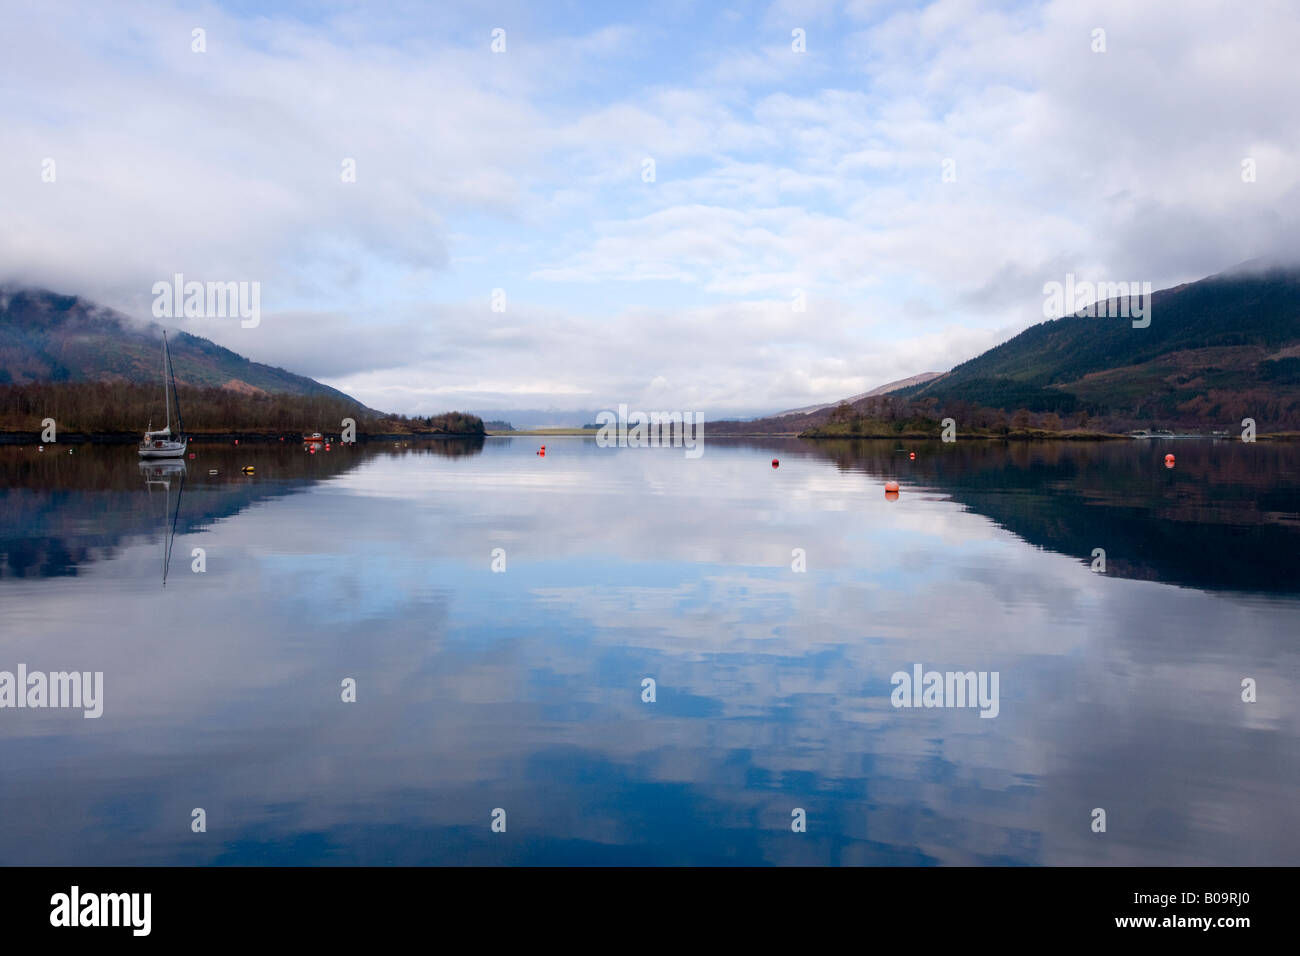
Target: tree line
pixel 117 407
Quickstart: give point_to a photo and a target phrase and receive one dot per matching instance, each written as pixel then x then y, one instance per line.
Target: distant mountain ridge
pixel 48 337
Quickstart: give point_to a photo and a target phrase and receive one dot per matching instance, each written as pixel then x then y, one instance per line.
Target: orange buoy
pixel 912 455
pixel 776 463
pixel 891 487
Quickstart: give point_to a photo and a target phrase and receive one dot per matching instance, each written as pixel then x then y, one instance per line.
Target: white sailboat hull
pixel 162 449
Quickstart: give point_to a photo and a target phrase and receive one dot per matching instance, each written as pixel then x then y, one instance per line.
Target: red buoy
pixel 236 441
pixel 1169 461
pixel 775 463
pixel 191 454
pixel 912 455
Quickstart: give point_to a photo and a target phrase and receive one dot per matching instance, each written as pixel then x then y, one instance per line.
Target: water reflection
pixel 160 476
pixel 522 689
pixel 65 511
pixel 1226 517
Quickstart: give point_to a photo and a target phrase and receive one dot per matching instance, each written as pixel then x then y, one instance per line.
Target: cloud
pixel 774 171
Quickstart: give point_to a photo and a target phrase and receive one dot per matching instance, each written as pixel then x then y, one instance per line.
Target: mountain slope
pixel 1216 349
pixel 885 389
pixel 46 337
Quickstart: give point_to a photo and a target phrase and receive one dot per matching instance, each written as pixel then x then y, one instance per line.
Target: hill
pixel 1216 350
pixel 879 390
pixel 97 371
pixel 46 337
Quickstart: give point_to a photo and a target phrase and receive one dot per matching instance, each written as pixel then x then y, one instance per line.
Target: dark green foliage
pixel 1284 371
pixel 103 407
pixel 1009 393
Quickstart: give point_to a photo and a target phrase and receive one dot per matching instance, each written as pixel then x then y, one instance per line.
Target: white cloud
pixel 774 171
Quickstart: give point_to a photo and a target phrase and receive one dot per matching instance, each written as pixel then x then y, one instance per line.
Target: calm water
pixel 522 690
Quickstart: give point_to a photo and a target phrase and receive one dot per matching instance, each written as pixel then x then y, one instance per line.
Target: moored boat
pixel 162 443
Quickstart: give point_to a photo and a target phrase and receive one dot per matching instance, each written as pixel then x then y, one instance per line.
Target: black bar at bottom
pixel 338 904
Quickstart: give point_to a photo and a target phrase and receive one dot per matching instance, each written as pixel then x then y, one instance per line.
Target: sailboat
pixel 161 443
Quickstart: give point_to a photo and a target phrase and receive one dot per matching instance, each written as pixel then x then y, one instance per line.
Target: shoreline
pixel 131 438
pixel 1023 434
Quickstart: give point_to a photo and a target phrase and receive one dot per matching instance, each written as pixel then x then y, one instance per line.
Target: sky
pixel 890 199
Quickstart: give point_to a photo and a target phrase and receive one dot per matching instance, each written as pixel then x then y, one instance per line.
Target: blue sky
pixel 775 171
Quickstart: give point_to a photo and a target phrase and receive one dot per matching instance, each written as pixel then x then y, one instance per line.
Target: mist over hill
pixel 46 337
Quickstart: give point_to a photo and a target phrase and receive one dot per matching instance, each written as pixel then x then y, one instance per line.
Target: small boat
pixel 313 437
pixel 161 443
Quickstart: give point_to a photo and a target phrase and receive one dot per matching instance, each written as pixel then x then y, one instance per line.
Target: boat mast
pixel 166 397
pixel 180 422
pixel 167 500
pixel 170 538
